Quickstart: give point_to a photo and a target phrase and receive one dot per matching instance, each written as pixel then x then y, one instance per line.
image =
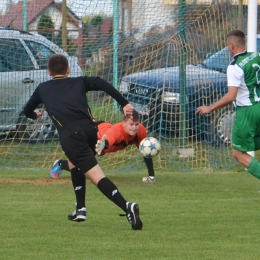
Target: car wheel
pixel 222 122
pixel 39 130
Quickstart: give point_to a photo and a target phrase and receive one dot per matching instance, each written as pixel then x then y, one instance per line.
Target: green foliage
pixel 96 20
pixel 71 47
pixel 46 26
pixel 92 34
pixel 93 20
pixel 186 216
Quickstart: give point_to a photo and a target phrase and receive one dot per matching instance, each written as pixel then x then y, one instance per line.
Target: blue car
pixel 169 109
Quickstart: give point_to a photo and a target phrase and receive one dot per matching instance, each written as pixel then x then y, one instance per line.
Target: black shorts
pixel 78 142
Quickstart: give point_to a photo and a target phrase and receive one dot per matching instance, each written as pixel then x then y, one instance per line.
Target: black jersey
pixel 65 99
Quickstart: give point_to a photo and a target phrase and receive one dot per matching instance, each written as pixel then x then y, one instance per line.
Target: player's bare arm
pixel 224 101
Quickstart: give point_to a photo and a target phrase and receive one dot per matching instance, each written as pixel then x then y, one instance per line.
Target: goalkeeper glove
pixel 100 145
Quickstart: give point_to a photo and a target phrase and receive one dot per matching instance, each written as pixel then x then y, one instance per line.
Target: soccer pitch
pixel 186 216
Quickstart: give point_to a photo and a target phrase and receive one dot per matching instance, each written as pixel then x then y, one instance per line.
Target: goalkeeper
pixel 112 138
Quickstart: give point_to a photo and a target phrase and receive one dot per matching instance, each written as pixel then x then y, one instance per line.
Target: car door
pixel 16 80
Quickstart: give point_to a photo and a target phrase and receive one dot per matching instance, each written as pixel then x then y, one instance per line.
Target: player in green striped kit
pixel 243 81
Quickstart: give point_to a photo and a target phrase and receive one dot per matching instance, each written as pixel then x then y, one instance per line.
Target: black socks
pixel 109 189
pixel 79 185
pixel 106 186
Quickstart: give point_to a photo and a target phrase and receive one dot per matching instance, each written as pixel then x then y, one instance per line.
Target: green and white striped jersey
pixel 244 72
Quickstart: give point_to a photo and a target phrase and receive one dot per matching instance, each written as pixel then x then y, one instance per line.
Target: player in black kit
pixel 66 103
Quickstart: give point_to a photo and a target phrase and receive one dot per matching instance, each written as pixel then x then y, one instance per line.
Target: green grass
pixel 186 216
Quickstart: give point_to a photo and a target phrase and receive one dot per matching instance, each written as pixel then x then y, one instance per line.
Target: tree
pixel 96 20
pixel 71 47
pixel 46 27
pixel 92 35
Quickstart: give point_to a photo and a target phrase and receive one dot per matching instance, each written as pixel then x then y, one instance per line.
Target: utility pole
pixel 64 25
pixel 240 15
pixel 25 15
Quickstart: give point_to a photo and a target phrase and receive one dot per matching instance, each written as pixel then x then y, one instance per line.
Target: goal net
pixel 167 57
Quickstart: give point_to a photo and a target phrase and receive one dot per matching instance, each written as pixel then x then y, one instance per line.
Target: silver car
pixel 23 65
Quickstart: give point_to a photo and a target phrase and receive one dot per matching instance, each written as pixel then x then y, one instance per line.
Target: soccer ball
pixel 149 147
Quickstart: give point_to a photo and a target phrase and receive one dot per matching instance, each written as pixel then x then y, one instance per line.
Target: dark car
pixel 168 108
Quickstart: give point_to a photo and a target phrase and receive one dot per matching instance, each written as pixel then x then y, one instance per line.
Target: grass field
pixel 186 216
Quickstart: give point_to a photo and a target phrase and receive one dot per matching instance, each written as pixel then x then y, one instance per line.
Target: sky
pixel 80 7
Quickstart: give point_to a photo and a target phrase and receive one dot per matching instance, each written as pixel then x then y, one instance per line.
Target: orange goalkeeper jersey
pixel 117 138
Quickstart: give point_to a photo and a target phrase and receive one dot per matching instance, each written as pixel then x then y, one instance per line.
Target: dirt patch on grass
pixel 35 181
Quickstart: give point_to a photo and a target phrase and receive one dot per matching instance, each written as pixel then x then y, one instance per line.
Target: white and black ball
pixel 149 147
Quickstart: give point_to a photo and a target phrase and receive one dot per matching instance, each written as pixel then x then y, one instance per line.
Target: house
pixel 35 9
pixel 106 28
pixel 137 17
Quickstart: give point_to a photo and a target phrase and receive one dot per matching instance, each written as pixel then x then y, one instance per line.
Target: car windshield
pixel 40 52
pixel 218 61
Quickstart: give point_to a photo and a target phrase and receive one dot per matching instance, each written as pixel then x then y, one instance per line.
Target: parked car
pixel 167 107
pixel 23 65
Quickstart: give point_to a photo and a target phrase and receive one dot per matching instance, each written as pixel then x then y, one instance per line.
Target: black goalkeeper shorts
pixel 78 141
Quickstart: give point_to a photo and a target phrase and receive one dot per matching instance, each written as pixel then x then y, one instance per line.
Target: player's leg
pixel 56 170
pixel 78 147
pixel 251 163
pixel 254 166
pixel 257 139
pixel 86 162
pixel 149 164
pixel 58 166
pixel 79 185
pixel 243 141
pixel 64 165
pixel 109 189
pixel 242 157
